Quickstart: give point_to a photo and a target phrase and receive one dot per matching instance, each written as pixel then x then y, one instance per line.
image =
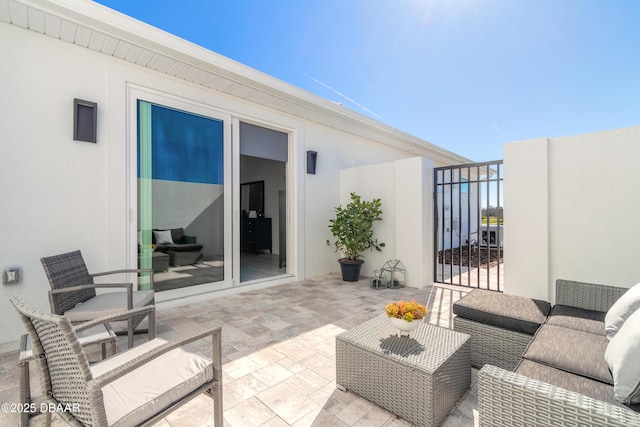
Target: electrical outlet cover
pixel 11 275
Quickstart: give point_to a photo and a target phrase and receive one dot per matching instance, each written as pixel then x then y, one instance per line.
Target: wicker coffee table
pixel 419 377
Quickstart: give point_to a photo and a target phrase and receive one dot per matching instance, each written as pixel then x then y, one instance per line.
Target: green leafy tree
pixel 353 227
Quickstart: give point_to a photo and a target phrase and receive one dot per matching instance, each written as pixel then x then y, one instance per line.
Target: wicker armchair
pixel 137 387
pixel 73 291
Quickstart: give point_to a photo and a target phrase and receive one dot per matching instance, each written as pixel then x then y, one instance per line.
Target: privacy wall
pixel 405 189
pixel 572 211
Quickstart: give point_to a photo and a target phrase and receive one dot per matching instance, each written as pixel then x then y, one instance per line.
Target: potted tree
pixel 353 229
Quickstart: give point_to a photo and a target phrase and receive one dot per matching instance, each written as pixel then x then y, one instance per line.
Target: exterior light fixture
pixel 312 158
pixel 85 121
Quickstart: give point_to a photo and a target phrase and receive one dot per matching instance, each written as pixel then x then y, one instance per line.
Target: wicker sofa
pixel 549 386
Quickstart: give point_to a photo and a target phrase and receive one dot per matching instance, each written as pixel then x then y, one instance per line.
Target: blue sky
pixel 467 75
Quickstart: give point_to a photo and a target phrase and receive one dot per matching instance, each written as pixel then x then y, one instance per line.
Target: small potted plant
pixel 406 315
pixel 353 229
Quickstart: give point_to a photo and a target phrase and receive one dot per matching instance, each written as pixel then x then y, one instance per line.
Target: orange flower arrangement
pixel 406 310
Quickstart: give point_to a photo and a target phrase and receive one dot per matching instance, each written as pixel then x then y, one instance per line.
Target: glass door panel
pixel 181 197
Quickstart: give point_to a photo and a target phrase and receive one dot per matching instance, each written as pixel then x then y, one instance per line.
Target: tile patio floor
pixel 279 354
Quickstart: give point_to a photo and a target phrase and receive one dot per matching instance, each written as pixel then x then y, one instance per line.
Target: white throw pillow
pixel 622 358
pixel 163 237
pixel 626 305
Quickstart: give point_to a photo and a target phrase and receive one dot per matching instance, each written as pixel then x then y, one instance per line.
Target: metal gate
pixel 469 225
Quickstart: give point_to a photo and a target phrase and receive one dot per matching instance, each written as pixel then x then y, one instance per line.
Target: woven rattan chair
pixel 73 291
pixel 137 387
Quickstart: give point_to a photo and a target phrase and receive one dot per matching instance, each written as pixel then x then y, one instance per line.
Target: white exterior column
pixel 414 219
pixel 526 212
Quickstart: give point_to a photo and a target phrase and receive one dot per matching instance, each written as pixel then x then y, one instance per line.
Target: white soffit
pixel 96 27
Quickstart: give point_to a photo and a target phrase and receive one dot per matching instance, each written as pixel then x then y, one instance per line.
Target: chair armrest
pixel 91 286
pixel 589 296
pixel 149 310
pixel 505 397
pixel 189 239
pixel 96 384
pixel 128 270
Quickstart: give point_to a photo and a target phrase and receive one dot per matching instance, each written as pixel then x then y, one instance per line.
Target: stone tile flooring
pixel 279 354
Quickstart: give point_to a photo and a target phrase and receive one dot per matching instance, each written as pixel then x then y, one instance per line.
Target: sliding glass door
pixel 182 196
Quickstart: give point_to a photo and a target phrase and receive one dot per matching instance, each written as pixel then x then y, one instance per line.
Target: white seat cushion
pixel 622 357
pixel 107 303
pixel 147 390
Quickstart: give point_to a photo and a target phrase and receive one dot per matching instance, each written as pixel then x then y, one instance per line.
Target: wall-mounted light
pixel 85 120
pixel 312 158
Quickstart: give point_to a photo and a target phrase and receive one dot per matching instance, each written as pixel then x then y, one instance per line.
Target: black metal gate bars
pixel 469 225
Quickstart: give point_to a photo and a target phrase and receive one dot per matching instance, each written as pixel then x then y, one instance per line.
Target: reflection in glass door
pixel 181 209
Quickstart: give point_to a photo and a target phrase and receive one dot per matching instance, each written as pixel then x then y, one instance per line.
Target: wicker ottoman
pixel 501 326
pixel 178 258
pixel 419 377
pixel 159 261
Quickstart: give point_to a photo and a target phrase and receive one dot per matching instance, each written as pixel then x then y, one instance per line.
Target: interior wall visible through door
pixel 263 162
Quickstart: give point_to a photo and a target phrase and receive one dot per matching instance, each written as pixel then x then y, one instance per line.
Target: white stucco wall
pixel 337 151
pixel 405 188
pixel 61 195
pixel 372 182
pixel 576 219
pixel 54 189
pixel 526 212
pixel 414 219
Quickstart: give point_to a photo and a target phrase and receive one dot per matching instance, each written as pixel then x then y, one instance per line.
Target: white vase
pixel 403 325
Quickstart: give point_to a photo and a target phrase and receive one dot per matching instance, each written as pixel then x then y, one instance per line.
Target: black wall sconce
pixel 312 157
pixel 85 121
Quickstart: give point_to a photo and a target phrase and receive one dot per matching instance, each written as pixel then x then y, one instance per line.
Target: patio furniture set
pixel 571 364
pixel 117 391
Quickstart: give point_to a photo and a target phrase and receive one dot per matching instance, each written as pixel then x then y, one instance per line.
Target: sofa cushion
pixel 577 318
pixel 624 307
pixel 622 358
pixel 163 237
pixel 510 312
pixel 578 352
pixel 568 381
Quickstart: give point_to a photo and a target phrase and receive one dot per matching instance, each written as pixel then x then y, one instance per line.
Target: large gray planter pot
pixel 350 269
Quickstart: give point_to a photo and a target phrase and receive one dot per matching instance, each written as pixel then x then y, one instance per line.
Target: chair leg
pixel 130 332
pixel 152 325
pixel 25 391
pixel 218 419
